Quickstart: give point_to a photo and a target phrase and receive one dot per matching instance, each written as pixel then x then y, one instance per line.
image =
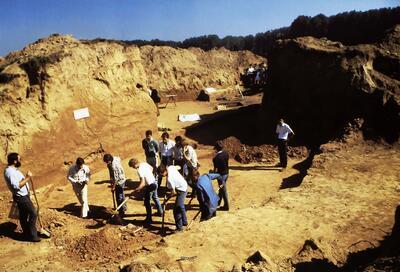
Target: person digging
pixel 148 185
pixel 178 186
pixel 117 180
pixel 207 197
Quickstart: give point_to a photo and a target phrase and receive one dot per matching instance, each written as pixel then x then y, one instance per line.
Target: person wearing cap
pixel 79 175
pixel 221 166
pixel 147 184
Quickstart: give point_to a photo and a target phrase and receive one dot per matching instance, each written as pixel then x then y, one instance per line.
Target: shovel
pixel 194 218
pixel 115 215
pixel 163 215
pixel 43 231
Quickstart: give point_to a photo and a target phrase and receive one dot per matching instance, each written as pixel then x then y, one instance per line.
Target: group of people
pixel 255 75
pixel 175 160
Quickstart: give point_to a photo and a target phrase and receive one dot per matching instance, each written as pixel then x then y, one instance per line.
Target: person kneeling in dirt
pixel 19 187
pixel 149 185
pixel 208 199
pixel 117 178
pixel 178 186
pixel 79 175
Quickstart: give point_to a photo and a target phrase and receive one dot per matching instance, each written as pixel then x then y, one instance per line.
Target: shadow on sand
pixel 296 179
pixel 385 257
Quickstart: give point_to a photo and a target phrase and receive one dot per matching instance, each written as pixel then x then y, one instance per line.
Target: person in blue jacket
pixel 208 199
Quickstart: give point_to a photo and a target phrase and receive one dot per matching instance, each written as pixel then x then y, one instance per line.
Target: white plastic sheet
pixel 189 117
pixel 81 113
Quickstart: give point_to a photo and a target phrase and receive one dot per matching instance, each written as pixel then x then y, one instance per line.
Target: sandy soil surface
pixel 343 204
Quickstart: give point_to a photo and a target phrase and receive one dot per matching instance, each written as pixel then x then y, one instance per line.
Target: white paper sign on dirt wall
pixel 81 113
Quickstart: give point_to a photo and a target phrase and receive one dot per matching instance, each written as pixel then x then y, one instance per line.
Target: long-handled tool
pixel 113 196
pixel 43 231
pixel 194 218
pixel 115 211
pixel 163 214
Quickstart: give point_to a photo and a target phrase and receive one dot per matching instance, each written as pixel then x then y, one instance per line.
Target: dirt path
pixel 345 204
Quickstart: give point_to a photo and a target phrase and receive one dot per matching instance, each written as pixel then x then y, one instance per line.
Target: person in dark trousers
pixel 19 187
pixel 283 131
pixel 177 151
pixel 166 147
pixel 178 186
pixel 156 98
pixel 117 179
pixel 208 199
pixel 150 147
pixel 149 185
pixel 221 166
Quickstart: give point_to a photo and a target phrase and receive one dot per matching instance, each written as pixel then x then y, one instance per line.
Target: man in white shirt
pixel 149 185
pixel 79 175
pixel 166 147
pixel 191 163
pixel 19 187
pixel 178 186
pixel 283 131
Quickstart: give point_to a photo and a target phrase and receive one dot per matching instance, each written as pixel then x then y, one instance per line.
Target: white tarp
pixel 188 117
pixel 209 90
pixel 81 113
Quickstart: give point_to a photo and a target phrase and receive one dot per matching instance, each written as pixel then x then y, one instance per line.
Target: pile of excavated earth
pixel 335 207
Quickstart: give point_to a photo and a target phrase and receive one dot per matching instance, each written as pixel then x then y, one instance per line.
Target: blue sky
pixel 25 21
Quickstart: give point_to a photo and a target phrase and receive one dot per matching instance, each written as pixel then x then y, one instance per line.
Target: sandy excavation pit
pixel 332 209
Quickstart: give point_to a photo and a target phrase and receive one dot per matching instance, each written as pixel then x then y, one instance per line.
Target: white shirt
pixel 191 155
pixel 283 131
pixel 145 171
pixel 166 149
pixel 175 180
pixel 76 175
pixel 13 177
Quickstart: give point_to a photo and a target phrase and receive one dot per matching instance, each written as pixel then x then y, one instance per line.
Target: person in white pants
pixel 79 175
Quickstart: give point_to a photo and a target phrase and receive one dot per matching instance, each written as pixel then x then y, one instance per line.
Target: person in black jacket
pixel 151 149
pixel 221 166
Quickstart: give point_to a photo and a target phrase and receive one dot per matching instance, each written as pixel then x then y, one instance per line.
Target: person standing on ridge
pixel 283 131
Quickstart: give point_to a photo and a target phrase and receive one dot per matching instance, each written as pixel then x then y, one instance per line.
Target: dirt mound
pixel 41 86
pixel 263 153
pixel 319 86
pixel 104 243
